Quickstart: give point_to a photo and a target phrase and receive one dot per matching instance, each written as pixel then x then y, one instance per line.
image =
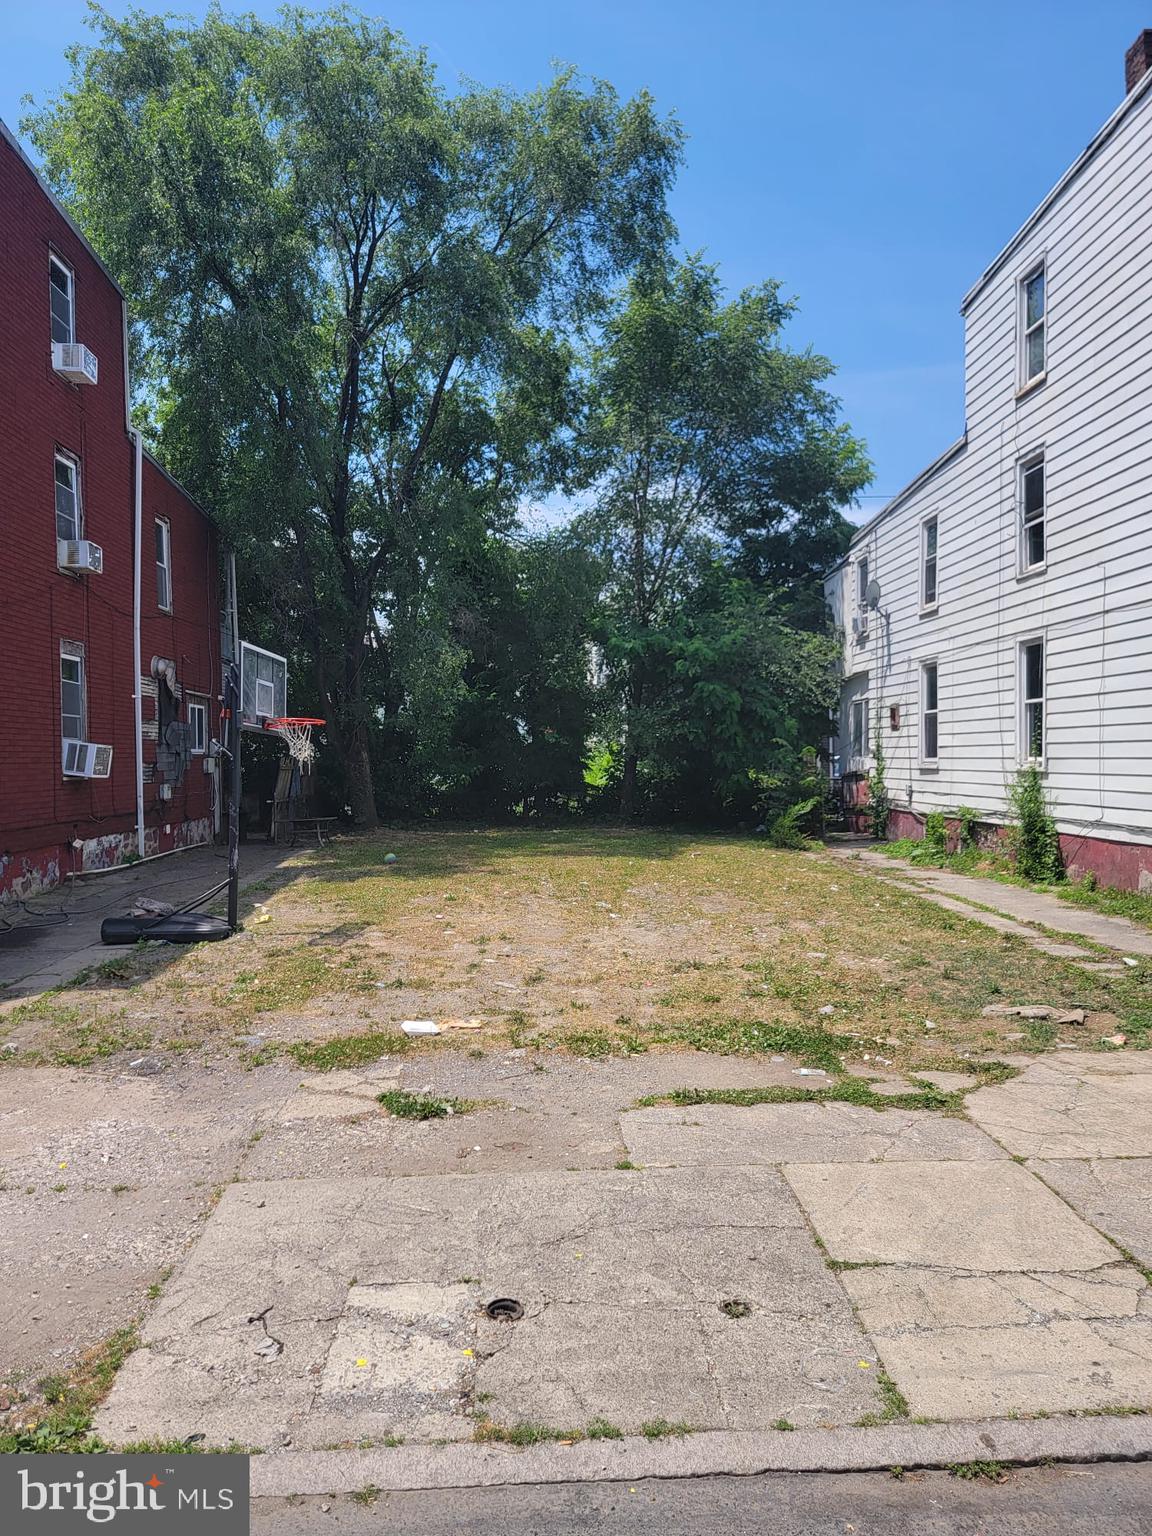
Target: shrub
pixel 933 846
pixel 1033 839
pixel 787 831
pixel 966 819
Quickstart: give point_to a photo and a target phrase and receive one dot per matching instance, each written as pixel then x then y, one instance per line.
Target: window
pixel 1032 701
pixel 858 728
pixel 61 300
pixel 1032 505
pixel 862 584
pixel 198 725
pixel 928 536
pixel 1033 310
pixel 72 700
pixel 68 520
pixel 929 712
pixel 163 564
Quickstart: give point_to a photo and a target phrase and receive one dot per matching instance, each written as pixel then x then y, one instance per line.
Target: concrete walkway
pixel 833 1269
pixel 57 934
pixel 1014 902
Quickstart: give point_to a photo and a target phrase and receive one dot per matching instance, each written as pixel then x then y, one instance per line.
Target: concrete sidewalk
pixel 1014 902
pixel 57 933
pixel 820 1267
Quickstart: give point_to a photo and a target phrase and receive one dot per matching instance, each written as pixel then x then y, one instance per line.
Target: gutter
pixel 898 500
pixel 1138 91
pixel 137 699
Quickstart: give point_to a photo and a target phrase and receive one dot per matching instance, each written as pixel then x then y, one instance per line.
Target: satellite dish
pixel 872 594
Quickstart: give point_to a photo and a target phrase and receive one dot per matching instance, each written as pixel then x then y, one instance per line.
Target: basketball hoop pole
pixel 232 710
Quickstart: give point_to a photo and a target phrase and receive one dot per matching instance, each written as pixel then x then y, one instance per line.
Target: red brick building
pixel 104 756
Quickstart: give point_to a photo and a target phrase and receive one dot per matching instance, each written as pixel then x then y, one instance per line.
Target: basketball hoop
pixel 296 733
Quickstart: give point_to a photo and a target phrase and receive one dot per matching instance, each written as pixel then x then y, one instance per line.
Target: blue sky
pixel 871 154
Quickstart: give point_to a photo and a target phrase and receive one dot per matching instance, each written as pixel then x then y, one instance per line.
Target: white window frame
pixel 164 567
pixel 858 708
pixel 73 651
pixel 73 465
pixel 1024 524
pixel 197 724
pixel 1027 704
pixel 929 604
pixel 1027 378
pixel 929 759
pixel 57 263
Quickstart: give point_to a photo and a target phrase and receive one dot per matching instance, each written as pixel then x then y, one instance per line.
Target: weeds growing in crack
pixel 424 1106
pixel 970 1471
pixel 662 1429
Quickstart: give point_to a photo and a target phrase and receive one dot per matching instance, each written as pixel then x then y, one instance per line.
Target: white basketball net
pixel 298 739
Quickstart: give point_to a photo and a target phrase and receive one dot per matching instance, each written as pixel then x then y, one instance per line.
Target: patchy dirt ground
pixel 589 941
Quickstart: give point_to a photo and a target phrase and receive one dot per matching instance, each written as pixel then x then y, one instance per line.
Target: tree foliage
pixel 355 295
pixel 712 448
pixel 372 319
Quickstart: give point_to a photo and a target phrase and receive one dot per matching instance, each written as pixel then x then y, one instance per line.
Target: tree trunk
pixel 628 784
pixel 358 774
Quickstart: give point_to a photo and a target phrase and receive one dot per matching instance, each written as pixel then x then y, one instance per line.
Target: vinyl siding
pixel 1092 605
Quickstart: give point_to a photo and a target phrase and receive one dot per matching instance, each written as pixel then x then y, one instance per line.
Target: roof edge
pixel 1130 102
pixel 901 496
pixel 187 495
pixel 10 138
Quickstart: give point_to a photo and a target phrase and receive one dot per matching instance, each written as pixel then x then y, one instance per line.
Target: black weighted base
pixel 180 928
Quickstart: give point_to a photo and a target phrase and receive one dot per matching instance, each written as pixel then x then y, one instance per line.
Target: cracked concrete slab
pixel 1059 1366
pixel 1086 1107
pixel 892 1299
pixel 106 1176
pixel 1114 1194
pixel 979 1216
pixel 727 1135
pixel 639 1262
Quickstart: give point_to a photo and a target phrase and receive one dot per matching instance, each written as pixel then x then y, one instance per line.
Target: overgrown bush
pixel 966 819
pixel 933 846
pixel 788 830
pixel 1033 839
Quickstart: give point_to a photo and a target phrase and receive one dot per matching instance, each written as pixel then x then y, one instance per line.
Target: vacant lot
pixel 591 941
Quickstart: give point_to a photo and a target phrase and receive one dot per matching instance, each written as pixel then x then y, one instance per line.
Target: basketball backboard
pixel 263 686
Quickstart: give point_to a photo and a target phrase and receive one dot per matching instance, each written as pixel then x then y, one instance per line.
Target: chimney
pixel 1138 60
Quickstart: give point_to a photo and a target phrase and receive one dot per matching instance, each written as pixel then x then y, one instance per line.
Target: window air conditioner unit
pixel 86 760
pixel 79 555
pixel 74 362
pixel 860 626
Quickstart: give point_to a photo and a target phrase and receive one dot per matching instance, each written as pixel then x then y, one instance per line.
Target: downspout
pixel 138 526
pixel 138 516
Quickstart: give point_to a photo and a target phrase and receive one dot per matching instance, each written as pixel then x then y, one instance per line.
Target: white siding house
pixel 1010 610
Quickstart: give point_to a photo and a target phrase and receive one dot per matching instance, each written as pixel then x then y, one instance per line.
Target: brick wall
pixel 41 813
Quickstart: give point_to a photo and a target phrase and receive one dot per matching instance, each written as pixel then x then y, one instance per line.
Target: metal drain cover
pixel 504 1309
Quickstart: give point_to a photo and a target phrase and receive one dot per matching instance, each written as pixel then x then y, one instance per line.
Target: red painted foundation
pixel 1123 866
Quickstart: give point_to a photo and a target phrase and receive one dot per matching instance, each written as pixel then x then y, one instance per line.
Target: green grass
pixel 290 978
pixel 342 1051
pixel 522 1434
pixel 423 1106
pixel 64 1425
pixel 845 1090
pixel 600 1429
pixel 663 1429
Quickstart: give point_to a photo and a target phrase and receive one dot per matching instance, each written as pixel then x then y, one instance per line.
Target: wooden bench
pixel 295 824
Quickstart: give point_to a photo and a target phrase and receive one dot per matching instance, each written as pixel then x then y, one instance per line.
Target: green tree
pixel 354 298
pixel 705 436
